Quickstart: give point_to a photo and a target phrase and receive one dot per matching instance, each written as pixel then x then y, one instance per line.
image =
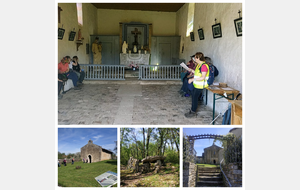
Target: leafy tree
pixel 149 142
pixel 232 148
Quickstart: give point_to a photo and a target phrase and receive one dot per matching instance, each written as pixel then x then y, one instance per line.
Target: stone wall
pixel 105 156
pixel 234 173
pixel 189 174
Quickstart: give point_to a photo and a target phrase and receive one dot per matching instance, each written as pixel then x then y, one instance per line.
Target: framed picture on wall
pixel 216 30
pixel 87 48
pixel 201 34
pixel 238 26
pixel 72 36
pixel 192 36
pixel 61 33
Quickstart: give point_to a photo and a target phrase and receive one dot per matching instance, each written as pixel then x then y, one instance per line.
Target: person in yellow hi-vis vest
pixel 199 81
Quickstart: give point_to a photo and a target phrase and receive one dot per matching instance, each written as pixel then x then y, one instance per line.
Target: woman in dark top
pixel 77 70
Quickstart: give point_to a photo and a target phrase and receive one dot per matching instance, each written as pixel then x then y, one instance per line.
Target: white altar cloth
pixel 139 59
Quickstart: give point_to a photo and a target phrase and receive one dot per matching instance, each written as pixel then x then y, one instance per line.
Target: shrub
pixel 172 156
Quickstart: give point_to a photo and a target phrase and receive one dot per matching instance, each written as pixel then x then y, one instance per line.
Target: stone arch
pixel 90 158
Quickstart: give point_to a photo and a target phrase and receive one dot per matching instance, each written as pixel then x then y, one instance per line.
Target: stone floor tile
pixel 118 104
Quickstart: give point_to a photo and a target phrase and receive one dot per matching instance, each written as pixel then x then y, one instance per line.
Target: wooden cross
pixel 135 32
pixel 59 9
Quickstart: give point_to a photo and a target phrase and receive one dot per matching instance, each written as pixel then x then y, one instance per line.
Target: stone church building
pixel 95 153
pixel 211 155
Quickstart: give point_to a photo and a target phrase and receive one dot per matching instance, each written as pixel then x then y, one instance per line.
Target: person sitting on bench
pixel 63 68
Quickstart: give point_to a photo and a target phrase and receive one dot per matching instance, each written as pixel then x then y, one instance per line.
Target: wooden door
pixel 107 56
pixel 164 50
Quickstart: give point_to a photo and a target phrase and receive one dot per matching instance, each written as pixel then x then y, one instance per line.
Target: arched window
pixel 79 13
pixel 190 20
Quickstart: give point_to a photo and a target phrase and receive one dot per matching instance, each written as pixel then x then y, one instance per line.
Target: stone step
pixel 131 73
pixel 209 174
pixel 209 170
pixel 210 184
pixel 209 178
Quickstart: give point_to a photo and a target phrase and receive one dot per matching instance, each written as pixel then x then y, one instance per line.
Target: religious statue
pixel 79 35
pixel 134 49
pixel 124 47
pixel 96 49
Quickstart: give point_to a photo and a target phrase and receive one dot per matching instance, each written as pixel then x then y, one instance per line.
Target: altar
pixel 135 59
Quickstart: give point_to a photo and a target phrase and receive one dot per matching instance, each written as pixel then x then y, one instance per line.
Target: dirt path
pixel 130 179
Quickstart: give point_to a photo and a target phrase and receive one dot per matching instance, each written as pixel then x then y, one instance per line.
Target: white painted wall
pixel 225 52
pixel 69 22
pixel 163 22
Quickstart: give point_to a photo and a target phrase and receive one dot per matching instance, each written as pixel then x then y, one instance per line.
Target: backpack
pixel 216 73
pixel 62 77
pixel 213 72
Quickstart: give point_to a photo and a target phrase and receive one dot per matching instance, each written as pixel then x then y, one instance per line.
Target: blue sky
pixel 204 143
pixel 70 140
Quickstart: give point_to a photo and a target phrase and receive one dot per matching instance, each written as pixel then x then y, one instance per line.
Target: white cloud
pixel 109 146
pixel 97 137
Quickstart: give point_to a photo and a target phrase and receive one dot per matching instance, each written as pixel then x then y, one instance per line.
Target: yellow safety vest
pixel 203 83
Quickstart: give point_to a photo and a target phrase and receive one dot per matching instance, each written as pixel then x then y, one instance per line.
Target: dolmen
pixel 133 164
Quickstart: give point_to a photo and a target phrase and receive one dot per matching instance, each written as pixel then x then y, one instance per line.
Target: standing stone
pixel 133 164
pixel 157 166
pixel 146 167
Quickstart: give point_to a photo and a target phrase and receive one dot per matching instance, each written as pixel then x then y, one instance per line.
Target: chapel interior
pixel 162 33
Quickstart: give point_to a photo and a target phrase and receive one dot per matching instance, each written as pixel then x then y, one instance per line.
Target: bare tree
pixel 143 143
pixel 148 138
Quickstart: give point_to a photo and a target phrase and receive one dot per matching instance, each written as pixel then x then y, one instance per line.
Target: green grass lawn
pixel 69 176
pixel 208 165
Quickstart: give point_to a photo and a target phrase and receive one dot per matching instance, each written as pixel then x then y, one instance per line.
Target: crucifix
pixel 135 32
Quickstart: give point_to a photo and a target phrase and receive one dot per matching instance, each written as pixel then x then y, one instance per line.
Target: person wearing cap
pixel 63 68
pixel 199 82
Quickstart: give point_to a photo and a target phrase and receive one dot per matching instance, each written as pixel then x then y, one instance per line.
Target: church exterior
pixel 95 153
pixel 211 155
